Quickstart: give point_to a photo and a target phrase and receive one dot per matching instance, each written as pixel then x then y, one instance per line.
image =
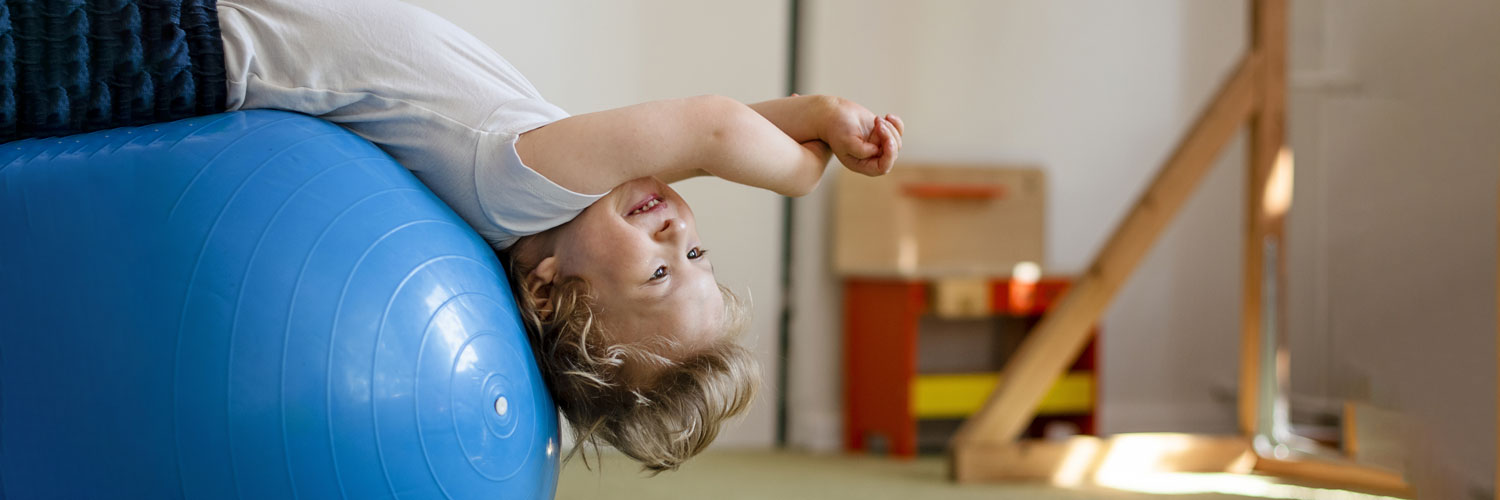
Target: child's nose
pixel 670 229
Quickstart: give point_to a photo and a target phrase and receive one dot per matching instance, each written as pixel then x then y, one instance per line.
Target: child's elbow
pixel 718 123
pixel 729 120
pixel 719 113
pixel 800 187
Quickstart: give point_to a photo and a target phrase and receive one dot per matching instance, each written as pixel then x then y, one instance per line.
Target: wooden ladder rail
pixel 1254 95
pixel 1062 333
pixel 1043 355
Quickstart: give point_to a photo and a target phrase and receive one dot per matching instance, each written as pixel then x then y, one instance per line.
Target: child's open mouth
pixel 653 203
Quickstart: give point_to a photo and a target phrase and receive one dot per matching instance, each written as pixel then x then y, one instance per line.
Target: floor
pixel 789 476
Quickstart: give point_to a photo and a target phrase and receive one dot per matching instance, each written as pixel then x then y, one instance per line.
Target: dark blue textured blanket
pixel 70 66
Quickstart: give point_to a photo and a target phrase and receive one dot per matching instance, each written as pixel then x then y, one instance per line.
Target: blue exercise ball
pixel 254 305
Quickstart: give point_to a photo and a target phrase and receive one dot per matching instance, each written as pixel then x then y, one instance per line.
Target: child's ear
pixel 538 286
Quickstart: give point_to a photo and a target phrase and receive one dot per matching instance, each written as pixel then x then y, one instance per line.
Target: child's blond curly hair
pixel 660 420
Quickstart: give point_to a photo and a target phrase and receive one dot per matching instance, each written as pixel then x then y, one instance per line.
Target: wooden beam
pixel 1267 200
pixel 1338 474
pixel 1262 223
pixel 1081 459
pixel 1350 430
pixel 1062 333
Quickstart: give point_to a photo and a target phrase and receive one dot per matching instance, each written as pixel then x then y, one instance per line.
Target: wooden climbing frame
pixel 1254 95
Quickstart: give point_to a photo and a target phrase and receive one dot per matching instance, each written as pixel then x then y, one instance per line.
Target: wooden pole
pixel 1267 135
pixel 1062 333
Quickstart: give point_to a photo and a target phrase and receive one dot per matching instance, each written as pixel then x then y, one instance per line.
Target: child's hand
pixel 863 142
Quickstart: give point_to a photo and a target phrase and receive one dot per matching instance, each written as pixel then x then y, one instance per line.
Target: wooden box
pixel 938 221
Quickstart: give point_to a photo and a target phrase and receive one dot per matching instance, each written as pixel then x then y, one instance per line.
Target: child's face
pixel 638 248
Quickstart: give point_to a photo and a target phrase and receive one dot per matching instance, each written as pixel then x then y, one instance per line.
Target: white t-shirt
pixel 436 99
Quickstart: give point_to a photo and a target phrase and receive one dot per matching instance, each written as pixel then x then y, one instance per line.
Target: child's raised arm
pixel 672 139
pixel 864 142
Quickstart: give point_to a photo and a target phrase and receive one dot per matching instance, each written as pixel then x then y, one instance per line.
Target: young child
pixel 634 337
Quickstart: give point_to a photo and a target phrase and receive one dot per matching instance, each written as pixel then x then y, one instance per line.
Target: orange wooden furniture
pixel 881 318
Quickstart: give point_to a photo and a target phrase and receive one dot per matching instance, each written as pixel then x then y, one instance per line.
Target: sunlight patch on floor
pixel 1228 484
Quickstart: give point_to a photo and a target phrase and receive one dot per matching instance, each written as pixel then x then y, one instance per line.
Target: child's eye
pixel 696 253
pixel 661 272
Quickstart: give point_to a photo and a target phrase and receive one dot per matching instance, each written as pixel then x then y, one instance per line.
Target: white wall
pixel 1398 134
pixel 591 55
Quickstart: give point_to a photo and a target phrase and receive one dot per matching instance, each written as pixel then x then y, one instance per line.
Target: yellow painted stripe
pixel 962 394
